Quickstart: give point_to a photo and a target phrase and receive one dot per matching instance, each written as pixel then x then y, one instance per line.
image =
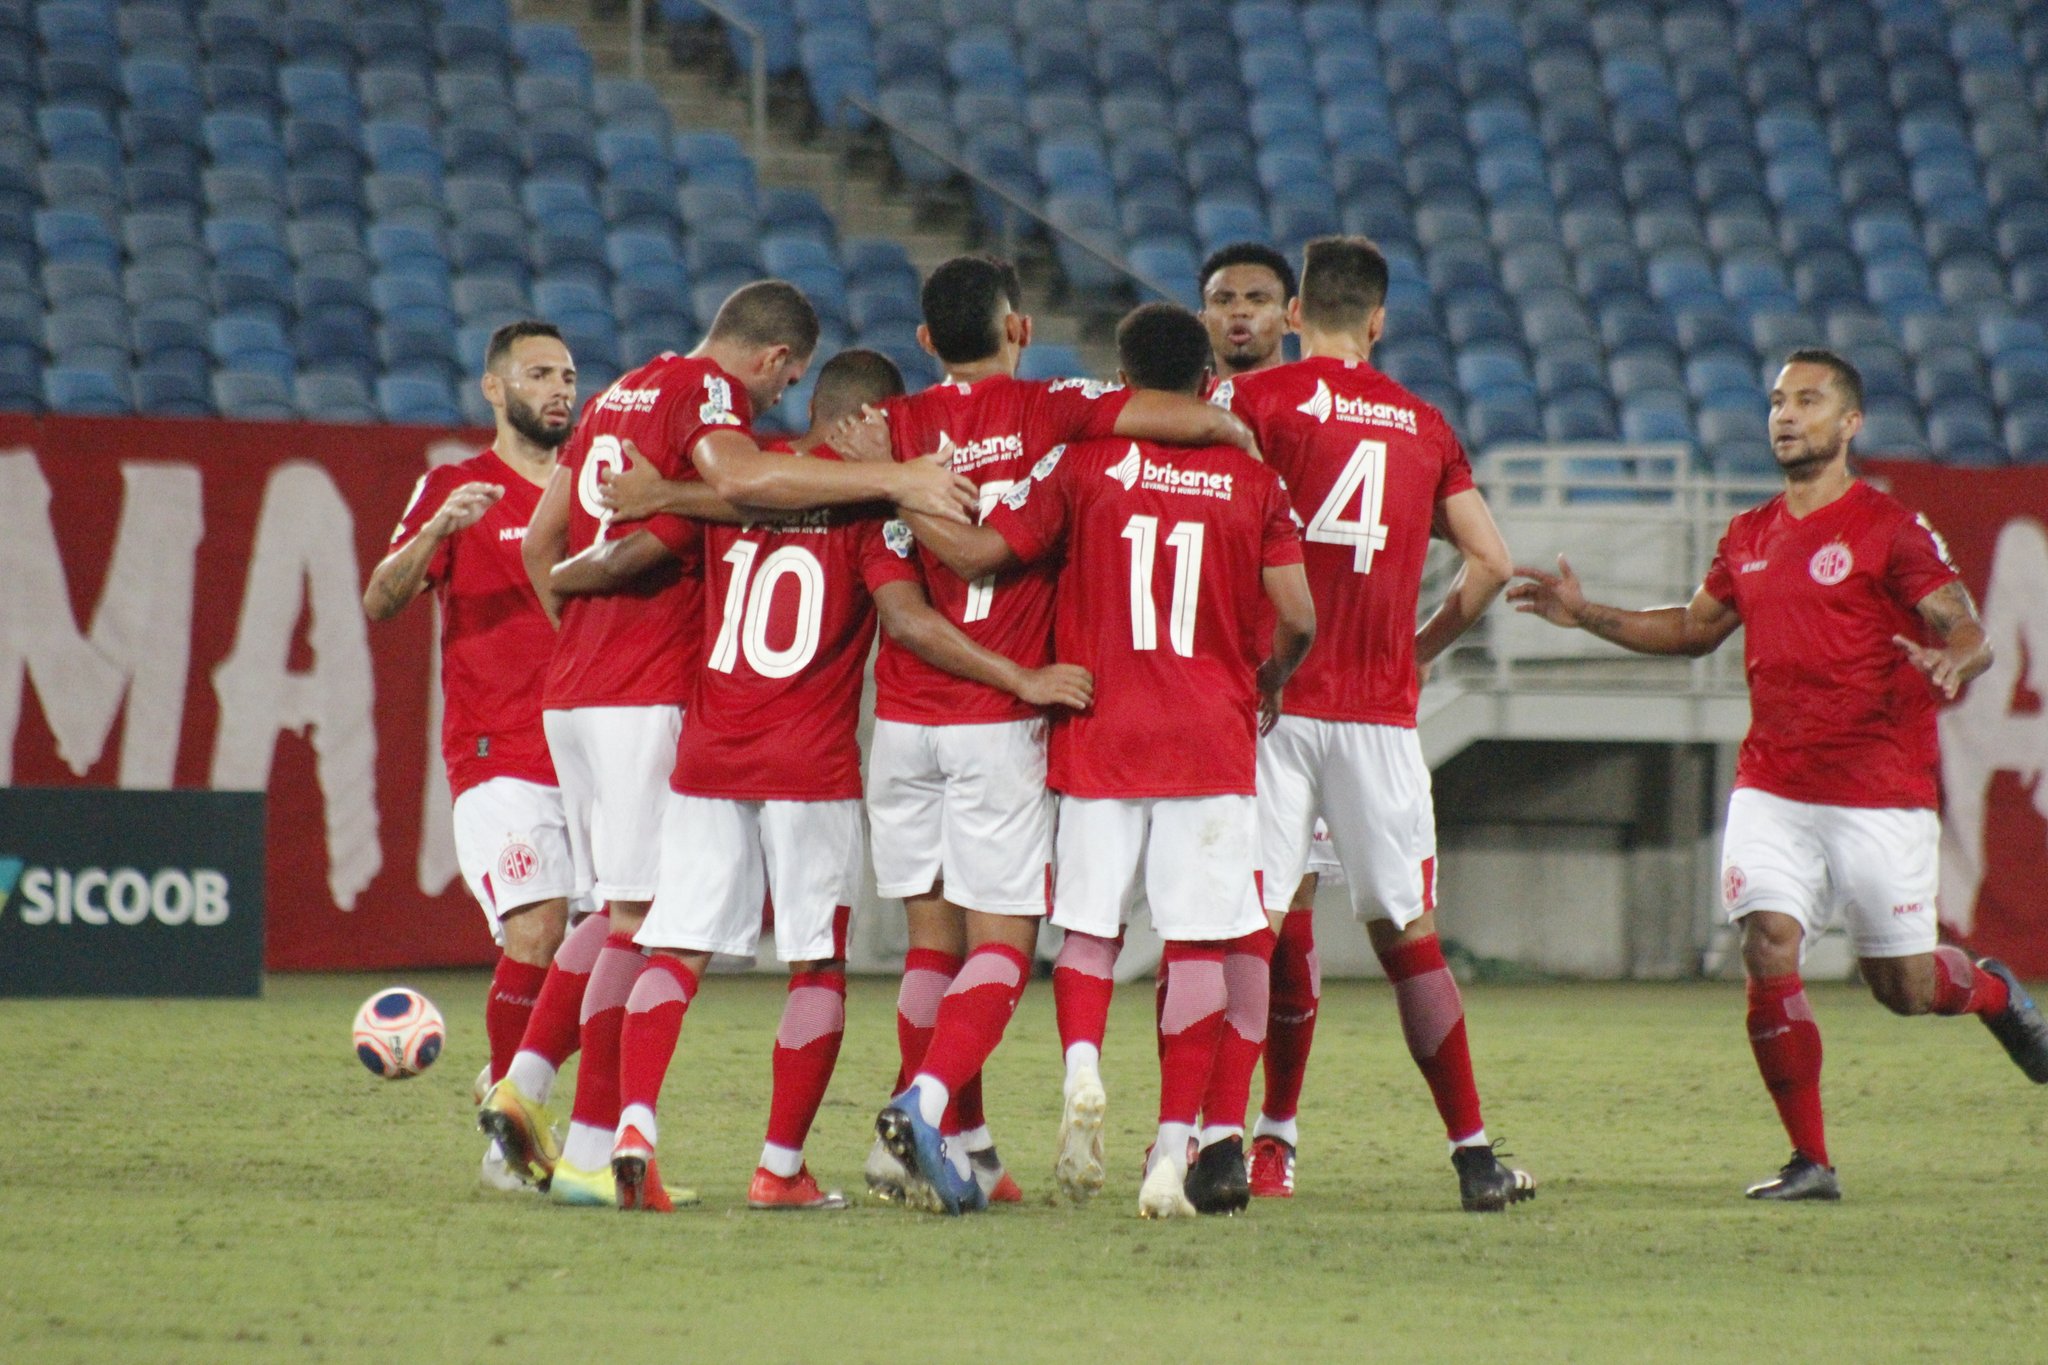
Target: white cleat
pixel 496 1175
pixel 1164 1193
pixel 1078 1169
pixel 887 1178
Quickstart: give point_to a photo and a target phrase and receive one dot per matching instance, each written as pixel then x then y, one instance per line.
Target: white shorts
pixel 1322 856
pixel 966 805
pixel 724 860
pixel 613 763
pixel 1371 784
pixel 1878 869
pixel 1190 857
pixel 512 844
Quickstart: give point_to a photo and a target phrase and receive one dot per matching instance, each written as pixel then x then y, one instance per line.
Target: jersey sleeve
pixel 1282 538
pixel 709 404
pixel 1032 517
pixel 682 535
pixel 1720 582
pixel 428 494
pixel 1457 470
pixel 886 553
pixel 1918 564
pixel 1060 411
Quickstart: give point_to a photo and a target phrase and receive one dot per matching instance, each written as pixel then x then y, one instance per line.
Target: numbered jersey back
pixel 638 648
pixel 1366 463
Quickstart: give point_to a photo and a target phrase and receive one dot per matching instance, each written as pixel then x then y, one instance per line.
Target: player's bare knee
pixel 628 916
pixel 1905 986
pixel 534 932
pixel 1770 944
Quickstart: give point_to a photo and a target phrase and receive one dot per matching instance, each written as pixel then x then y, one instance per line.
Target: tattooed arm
pixel 1965 651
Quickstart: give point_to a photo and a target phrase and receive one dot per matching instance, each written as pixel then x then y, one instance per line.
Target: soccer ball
pixel 399 1033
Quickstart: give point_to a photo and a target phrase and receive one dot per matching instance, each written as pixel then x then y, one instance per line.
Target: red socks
pixel 514 988
pixel 1191 1027
pixel 551 1033
pixel 612 978
pixel 806 1050
pixel 1297 991
pixel 1786 1042
pixel 654 1019
pixel 1433 1022
pixel 1247 979
pixel 926 974
pixel 1083 980
pixel 1960 988
pixel 972 1016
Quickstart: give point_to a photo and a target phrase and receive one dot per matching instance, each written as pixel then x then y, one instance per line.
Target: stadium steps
pixel 705 94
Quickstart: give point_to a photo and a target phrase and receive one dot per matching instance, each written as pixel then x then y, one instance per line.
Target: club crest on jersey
pixel 1831 564
pixel 518 863
pixel 1125 471
pixel 717 406
pixel 1324 405
pixel 1051 462
pixel 896 535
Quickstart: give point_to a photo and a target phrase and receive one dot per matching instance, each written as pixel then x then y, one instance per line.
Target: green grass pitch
pixel 223 1182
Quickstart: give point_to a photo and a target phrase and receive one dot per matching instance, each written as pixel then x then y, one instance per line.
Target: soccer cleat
pixel 799 1191
pixel 573 1187
pixel 1272 1174
pixel 885 1174
pixel 1078 1168
pixel 522 1128
pixel 933 1184
pixel 1486 1186
pixel 1216 1181
pixel 2019 1027
pixel 1799 1178
pixel 495 1175
pixel 638 1180
pixel 1164 1193
pixel 996 1185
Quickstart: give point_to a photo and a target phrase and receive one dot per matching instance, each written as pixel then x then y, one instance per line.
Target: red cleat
pixel 1005 1191
pixel 638 1179
pixel 1272 1174
pixel 799 1191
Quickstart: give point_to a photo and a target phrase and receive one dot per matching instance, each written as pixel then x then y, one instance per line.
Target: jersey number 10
pixel 1186 540
pixel 750 596
pixel 1364 479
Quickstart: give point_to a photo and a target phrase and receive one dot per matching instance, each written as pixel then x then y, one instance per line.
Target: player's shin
pixel 806 1050
pixel 1786 1041
pixel 926 974
pixel 1247 980
pixel 647 1041
pixel 1961 987
pixel 1296 995
pixel 552 1031
pixel 1191 1029
pixel 514 988
pixel 594 1119
pixel 1083 980
pixel 971 1019
pixel 1433 1022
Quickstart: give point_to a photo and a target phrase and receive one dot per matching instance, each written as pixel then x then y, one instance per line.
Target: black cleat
pixel 1799 1178
pixel 1486 1186
pixel 2019 1027
pixel 1217 1182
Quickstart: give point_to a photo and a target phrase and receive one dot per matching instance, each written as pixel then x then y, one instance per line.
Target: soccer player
pixel 1171 556
pixel 461 535
pixel 1857 626
pixel 1246 289
pixel 765 794
pixel 962 826
pixel 622 661
pixel 1372 470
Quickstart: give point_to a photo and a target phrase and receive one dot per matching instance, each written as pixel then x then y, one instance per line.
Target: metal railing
pixel 757 76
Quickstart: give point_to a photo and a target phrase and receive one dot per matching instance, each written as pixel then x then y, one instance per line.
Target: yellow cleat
pixel 523 1130
pixel 577 1188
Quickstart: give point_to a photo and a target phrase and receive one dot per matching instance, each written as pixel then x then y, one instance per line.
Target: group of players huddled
pixel 1137 640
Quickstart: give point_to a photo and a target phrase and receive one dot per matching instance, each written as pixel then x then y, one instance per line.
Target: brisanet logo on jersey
pixel 115 897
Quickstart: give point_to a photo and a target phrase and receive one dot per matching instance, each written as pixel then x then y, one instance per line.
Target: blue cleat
pixel 933 1182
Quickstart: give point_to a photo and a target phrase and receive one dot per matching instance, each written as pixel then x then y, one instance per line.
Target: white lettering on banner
pixel 304 561
pixel 140 644
pixel 123 896
pixel 1982 735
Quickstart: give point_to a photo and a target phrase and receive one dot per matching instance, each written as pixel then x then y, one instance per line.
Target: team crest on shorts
pixel 1831 564
pixel 518 863
pixel 1732 884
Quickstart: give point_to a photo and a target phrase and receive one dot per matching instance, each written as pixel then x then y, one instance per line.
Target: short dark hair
pixel 1248 253
pixel 512 333
pixel 1342 280
pixel 851 379
pixel 1846 375
pixel 1162 346
pixel 768 313
pixel 960 301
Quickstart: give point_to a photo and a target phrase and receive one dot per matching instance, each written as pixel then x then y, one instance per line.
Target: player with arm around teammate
pixel 1372 469
pixel 1172 557
pixel 461 536
pixel 1856 626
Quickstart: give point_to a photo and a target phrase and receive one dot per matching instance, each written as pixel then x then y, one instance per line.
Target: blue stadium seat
pixel 417 400
pixel 253 395
pixel 88 390
pixel 329 397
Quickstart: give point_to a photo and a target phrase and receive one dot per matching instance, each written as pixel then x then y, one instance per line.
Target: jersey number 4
pixel 1363 481
pixel 750 597
pixel 1186 540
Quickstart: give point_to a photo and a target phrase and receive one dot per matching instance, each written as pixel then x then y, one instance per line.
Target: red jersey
pixel 998 428
pixel 1162 598
pixel 1366 463
pixel 1838 716
pixel 638 647
pixel 790 617
pixel 493 631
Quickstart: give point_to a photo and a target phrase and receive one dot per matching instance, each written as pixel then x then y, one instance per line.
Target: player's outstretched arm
pixel 970 551
pixel 1694 629
pixel 609 565
pixel 638 492
pixel 547 540
pixel 907 615
pixel 1469 527
pixel 1965 649
pixel 1294 630
pixel 1181 420
pixel 747 476
pixel 400 575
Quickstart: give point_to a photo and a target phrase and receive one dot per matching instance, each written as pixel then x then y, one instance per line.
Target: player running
pixel 623 661
pixel 765 795
pixel 1373 470
pixel 1857 625
pixel 461 535
pixel 1170 556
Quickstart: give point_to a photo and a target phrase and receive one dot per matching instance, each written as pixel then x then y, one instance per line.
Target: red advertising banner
pixel 181 606
pixel 1994 739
